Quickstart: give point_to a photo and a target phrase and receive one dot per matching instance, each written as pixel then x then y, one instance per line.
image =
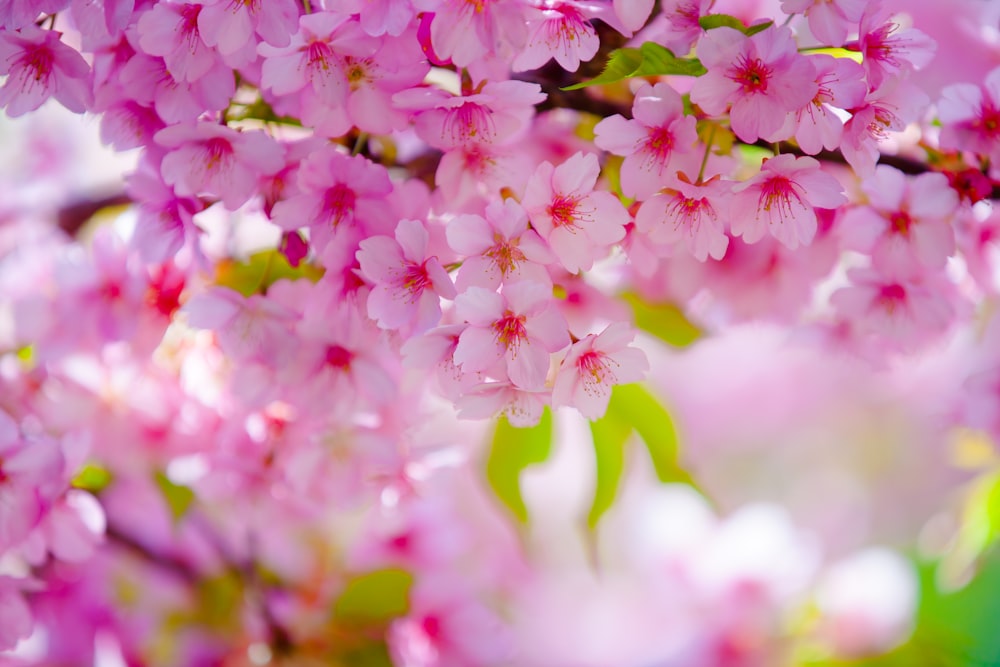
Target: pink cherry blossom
pixel 761 78
pixel 409 284
pixel 905 311
pixel 659 130
pixel 510 334
pixel 677 27
pixel 579 222
pixel 39 66
pixel 465 31
pixel 248 328
pixel 906 223
pixel 494 114
pixel 335 190
pixel 830 21
pixel 233 26
pixel 595 364
pixel 889 108
pixel 523 408
pixel 970 116
pixel 15 615
pixel 171 32
pixel 207 158
pixel 633 13
pixel 499 247
pixel 558 29
pixel 816 125
pixel 780 199
pixel 889 51
pixel 690 216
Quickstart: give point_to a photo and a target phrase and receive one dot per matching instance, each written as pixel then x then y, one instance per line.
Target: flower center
pixel 415 279
pixel 901 222
pixel 469 121
pixel 338 203
pixel 752 74
pixel 505 255
pixel 776 193
pixel 339 357
pixel 510 330
pixel 563 211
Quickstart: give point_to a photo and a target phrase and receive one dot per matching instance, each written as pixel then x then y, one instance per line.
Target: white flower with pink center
pixel 510 335
pixel 579 222
pixel 594 365
pixel 779 200
pixel 659 130
pixel 409 284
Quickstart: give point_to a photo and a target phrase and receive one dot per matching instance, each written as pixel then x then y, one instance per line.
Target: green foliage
pixel 650 59
pixel 663 320
pixel 375 597
pixel 178 497
pixel 262 270
pixel 93 478
pixel 514 449
pixel 610 434
pixel 713 21
pixel 632 409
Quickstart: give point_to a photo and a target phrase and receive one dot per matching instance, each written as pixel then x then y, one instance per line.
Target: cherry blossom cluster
pixel 358 232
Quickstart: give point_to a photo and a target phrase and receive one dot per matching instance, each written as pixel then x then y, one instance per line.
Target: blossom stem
pixel 708 150
pixel 359 143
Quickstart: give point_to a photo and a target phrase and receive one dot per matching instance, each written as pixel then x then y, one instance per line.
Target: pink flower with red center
pixel 499 247
pixel 39 66
pixel 171 32
pixel 558 29
pixel 759 78
pixel 890 108
pixel 906 225
pixel 779 200
pixel 409 284
pixel 689 216
pixel 816 125
pixel 208 158
pixel 659 131
pixel 334 190
pixel 970 117
pixel 677 26
pixel 594 365
pixel 907 311
pixel 579 222
pixel 497 113
pixel 510 335
pixel 888 51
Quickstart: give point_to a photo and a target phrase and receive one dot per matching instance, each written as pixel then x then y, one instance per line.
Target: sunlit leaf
pixel 650 59
pixel 663 320
pixel 634 405
pixel 513 450
pixel 610 434
pixel 979 531
pixel 376 596
pixel 713 21
pixel 93 478
pixel 178 497
pixel 261 271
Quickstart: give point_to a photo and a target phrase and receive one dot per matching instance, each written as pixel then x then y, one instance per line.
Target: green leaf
pixel 713 21
pixel 659 60
pixel 633 405
pixel 93 478
pixel 513 450
pixel 377 596
pixel 610 435
pixel 650 59
pixel 979 530
pixel 622 63
pixel 663 320
pixel 758 27
pixel 262 270
pixel 178 497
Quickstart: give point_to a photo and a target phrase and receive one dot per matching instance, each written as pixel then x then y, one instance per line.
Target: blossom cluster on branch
pixel 288 396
